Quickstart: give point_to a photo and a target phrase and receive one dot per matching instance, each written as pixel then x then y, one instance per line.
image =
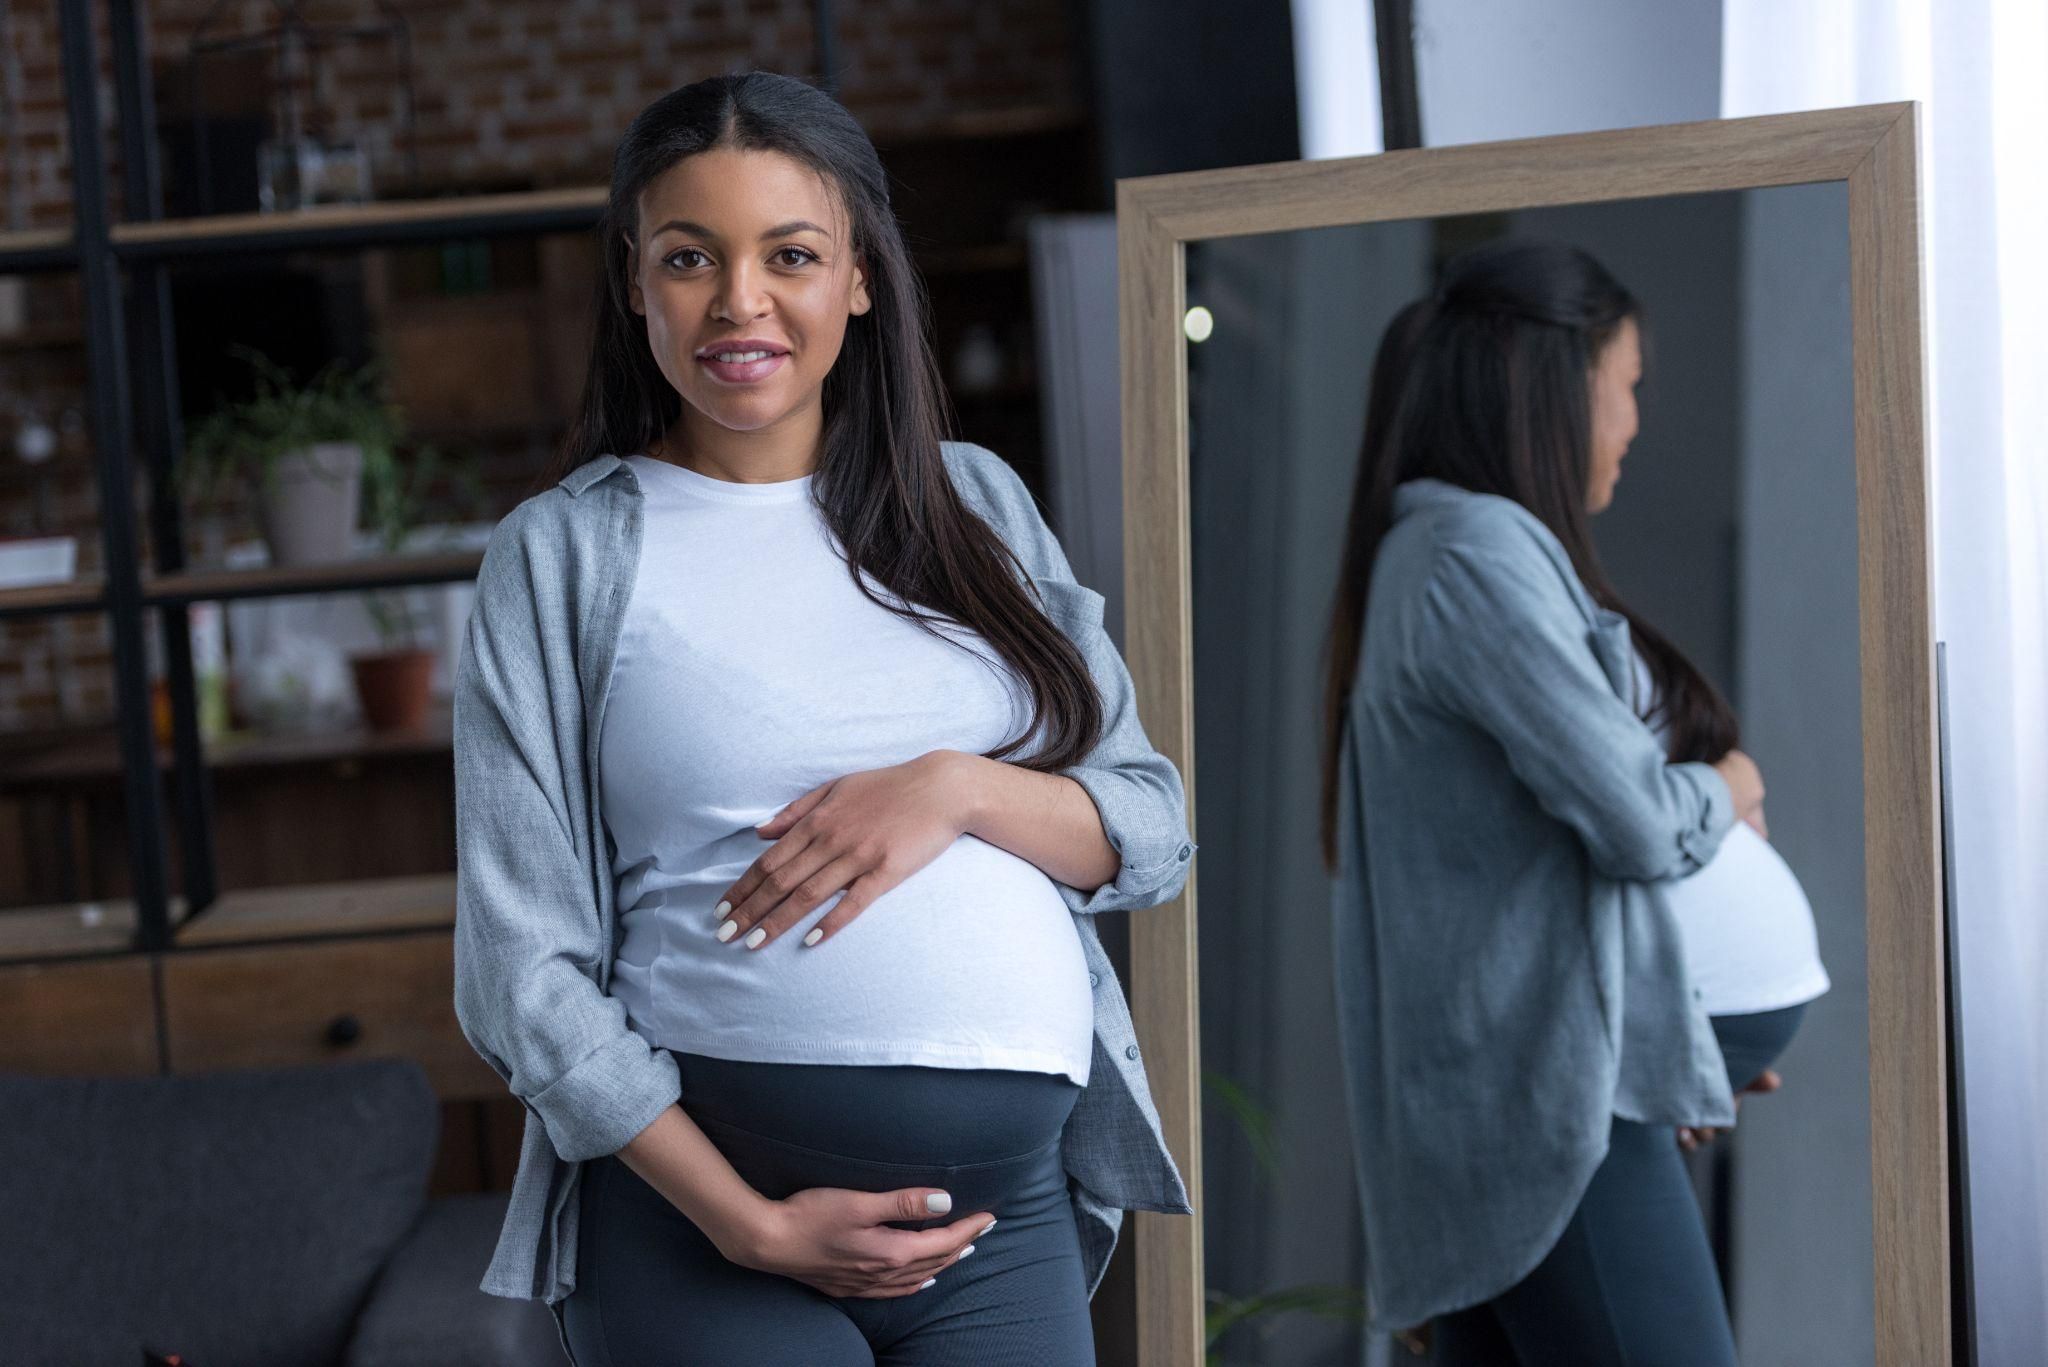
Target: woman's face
pixel 1617 369
pixel 746 277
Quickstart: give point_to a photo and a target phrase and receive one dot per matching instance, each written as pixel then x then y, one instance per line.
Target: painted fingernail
pixel 728 930
pixel 938 1202
pixel 964 1252
pixel 755 936
pixel 928 1281
pixel 817 934
pixel 986 1228
pixel 722 908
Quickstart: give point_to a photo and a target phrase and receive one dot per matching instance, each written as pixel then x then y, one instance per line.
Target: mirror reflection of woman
pixel 792 767
pixel 1523 783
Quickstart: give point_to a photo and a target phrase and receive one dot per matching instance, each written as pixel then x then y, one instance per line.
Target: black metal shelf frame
pixel 131 359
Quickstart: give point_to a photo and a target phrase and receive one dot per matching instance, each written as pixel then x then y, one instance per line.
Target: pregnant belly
pixel 973 953
pixel 1747 925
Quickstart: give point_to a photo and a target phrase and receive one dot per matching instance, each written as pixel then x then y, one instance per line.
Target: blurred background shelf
pixel 96 754
pixel 363 906
pixel 38 249
pixel 353 907
pixel 217 585
pixel 37 600
pixel 378 223
pixel 68 930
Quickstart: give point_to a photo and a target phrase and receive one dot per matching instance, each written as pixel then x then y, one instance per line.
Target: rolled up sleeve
pixel 1137 790
pixel 527 934
pixel 1511 655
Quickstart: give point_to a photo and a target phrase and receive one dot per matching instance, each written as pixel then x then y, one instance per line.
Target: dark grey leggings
pixel 1632 1280
pixel 653 1291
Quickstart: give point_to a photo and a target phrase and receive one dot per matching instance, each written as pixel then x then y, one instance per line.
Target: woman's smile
pixel 741 362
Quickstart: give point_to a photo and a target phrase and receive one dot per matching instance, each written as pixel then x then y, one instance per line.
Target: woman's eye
pixel 798 253
pixel 675 258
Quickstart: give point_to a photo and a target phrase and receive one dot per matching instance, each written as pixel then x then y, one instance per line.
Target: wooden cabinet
pixel 280 1005
pixel 270 977
pixel 86 1016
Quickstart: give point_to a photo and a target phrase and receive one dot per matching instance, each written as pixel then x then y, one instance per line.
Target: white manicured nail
pixel 986 1228
pixel 928 1281
pixel 728 930
pixel 755 936
pixel 817 934
pixel 722 908
pixel 938 1203
pixel 964 1252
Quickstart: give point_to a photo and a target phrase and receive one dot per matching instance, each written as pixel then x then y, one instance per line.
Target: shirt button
pixel 1186 850
pixel 1130 1051
pixel 1095 980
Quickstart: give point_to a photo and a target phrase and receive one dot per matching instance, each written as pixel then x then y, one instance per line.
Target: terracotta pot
pixel 394 687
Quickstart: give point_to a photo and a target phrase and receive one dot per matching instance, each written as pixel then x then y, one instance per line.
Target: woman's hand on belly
pixel 863 833
pixel 836 1241
pixel 1691 1137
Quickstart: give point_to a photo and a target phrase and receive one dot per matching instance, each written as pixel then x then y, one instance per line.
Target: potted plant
pixel 394 682
pixel 1224 1312
pixel 302 450
pixel 319 457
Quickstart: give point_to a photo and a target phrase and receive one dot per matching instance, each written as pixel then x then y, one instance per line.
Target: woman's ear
pixel 633 295
pixel 859 303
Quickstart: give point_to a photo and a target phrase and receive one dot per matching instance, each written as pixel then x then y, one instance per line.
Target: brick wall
pixel 508 94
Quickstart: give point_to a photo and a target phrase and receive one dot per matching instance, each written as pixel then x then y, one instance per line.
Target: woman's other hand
pixel 1745 784
pixel 1692 1136
pixel 838 1241
pixel 864 833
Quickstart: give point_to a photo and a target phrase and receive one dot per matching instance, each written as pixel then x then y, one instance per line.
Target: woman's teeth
pixel 740 357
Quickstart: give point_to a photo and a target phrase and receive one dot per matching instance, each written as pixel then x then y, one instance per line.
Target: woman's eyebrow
pixel 789 229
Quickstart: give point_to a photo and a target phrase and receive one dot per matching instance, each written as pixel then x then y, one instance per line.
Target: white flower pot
pixel 308 508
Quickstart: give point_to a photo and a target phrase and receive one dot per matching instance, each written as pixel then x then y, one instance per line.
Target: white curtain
pixel 1977 68
pixel 1336 79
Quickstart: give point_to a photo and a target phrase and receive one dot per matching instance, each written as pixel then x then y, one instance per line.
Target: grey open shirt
pixel 1509 976
pixel 535 929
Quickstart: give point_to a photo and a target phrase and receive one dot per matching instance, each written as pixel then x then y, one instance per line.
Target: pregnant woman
pixel 1750 945
pixel 793 765
pixel 1520 1033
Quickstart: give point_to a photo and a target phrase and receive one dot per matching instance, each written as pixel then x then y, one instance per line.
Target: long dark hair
pixel 880 480
pixel 1485 384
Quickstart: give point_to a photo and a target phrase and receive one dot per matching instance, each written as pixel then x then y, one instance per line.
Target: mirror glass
pixel 1732 530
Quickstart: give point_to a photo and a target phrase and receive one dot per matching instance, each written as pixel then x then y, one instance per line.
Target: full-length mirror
pixel 1563 973
pixel 1730 530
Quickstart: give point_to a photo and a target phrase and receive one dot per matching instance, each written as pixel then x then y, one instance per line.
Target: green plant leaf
pixel 1251 1117
pixel 1226 1312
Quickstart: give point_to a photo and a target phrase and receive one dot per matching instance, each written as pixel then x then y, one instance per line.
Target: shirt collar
pixel 590 472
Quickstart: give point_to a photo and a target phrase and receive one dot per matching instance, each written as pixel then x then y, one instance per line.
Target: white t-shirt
pixel 1746 924
pixel 750 669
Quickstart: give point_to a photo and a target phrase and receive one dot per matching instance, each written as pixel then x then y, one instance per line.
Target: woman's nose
pixel 739 296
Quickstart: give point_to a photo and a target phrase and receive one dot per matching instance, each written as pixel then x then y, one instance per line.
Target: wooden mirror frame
pixel 1875 149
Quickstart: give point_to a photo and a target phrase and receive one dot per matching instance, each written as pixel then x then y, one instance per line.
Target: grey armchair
pixel 245 1219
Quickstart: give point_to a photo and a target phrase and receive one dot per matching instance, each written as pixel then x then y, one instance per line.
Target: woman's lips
pixel 742 372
